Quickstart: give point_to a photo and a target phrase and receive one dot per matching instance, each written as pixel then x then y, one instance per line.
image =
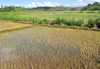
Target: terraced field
pixel 49 48
pixel 4 25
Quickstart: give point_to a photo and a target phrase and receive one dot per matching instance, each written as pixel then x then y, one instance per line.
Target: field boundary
pixel 45 25
pixel 10 30
pixel 71 27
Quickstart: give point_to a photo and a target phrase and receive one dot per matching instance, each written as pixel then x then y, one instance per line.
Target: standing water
pixel 39 48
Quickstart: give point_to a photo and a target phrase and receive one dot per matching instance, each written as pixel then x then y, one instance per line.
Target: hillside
pixel 58 8
pixel 11 8
pixel 91 7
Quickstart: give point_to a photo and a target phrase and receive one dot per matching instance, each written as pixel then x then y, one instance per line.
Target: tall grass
pixel 58 21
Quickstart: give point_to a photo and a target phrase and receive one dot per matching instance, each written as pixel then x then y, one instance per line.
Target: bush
pixel 98 24
pixel 52 22
pixel 70 22
pixel 79 22
pixel 80 12
pixel 57 21
pixel 40 22
pixel 45 21
pixel 33 20
pixel 90 24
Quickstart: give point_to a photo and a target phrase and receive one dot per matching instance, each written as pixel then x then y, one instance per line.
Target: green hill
pixel 58 8
pixel 91 7
pixel 11 8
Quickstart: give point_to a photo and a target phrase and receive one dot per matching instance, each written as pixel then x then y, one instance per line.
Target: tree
pixel 96 3
pixel 89 5
pixel 84 8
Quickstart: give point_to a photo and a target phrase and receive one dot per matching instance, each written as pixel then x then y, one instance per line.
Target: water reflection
pixel 36 44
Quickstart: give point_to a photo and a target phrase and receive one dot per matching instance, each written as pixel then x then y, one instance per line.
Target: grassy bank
pixel 67 18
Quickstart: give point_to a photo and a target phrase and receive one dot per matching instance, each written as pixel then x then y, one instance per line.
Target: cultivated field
pixel 49 48
pixel 4 25
pixel 29 16
pixel 41 47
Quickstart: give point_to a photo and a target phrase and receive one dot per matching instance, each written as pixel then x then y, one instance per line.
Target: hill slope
pixel 91 7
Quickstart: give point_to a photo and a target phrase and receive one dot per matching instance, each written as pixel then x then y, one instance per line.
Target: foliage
pixel 11 8
pixel 45 21
pixel 72 19
pixel 57 21
pixel 98 24
pixel 91 7
pixel 90 24
pixel 79 22
pixel 40 22
pixel 97 21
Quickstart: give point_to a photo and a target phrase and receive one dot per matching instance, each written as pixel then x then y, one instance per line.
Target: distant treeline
pixel 11 8
pixel 91 7
pixel 58 8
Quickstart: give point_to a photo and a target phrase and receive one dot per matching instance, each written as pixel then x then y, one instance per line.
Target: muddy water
pixel 37 48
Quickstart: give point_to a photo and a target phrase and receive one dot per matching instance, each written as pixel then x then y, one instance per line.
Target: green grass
pixel 70 18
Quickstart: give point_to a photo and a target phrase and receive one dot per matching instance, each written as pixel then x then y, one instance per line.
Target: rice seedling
pixel 44 47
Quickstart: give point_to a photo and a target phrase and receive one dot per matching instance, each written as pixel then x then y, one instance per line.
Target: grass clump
pixel 40 22
pixel 79 22
pixel 70 22
pixel 90 24
pixel 98 11
pixel 97 22
pixel 57 21
pixel 98 25
pixel 80 12
pixel 45 21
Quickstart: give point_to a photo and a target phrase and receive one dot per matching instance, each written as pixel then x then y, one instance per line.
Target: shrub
pixel 70 22
pixel 79 22
pixel 40 22
pixel 57 21
pixel 63 21
pixel 80 12
pixel 24 19
pixel 98 24
pixel 33 20
pixel 45 21
pixel 90 24
pixel 91 12
pixel 97 21
pixel 52 22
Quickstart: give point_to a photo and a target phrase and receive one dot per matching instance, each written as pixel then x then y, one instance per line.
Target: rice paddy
pixel 4 25
pixel 49 48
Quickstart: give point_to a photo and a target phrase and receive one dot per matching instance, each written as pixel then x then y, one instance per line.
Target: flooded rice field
pixel 49 48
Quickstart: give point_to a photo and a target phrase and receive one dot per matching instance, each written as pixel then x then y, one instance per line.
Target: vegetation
pixel 11 8
pixel 89 7
pixel 59 8
pixel 82 19
pixel 49 48
pixel 92 7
